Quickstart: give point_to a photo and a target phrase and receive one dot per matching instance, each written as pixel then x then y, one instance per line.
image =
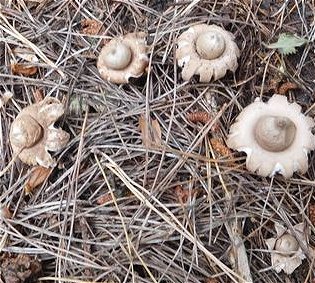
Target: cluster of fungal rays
pixel 208 51
pixel 123 58
pixel 204 50
pixel 275 135
pixel 33 134
pixel 286 252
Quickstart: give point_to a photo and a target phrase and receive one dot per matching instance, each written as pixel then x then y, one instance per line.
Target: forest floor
pixel 143 191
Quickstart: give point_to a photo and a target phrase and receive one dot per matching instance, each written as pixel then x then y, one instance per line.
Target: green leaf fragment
pixel 287 42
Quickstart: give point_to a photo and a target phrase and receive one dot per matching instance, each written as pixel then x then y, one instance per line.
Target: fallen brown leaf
pixel 285 87
pixel 273 85
pixel 220 148
pixel 156 132
pixel 38 176
pixel 22 69
pixel 183 194
pixel 104 199
pixel 90 26
pixel 151 134
pixel 199 116
pixel 202 117
pixel 144 129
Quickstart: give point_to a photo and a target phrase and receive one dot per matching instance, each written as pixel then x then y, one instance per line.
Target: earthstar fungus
pixel 275 135
pixel 33 133
pixel 208 51
pixel 124 57
pixel 286 253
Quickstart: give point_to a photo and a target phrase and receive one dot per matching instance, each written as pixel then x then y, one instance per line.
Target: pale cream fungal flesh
pixel 117 55
pixel 275 135
pixel 210 45
pixel 33 133
pixel 287 244
pixel 208 51
pixel 123 58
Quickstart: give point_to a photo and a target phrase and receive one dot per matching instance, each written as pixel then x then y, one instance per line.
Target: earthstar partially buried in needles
pixel 275 135
pixel 124 57
pixel 208 51
pixel 286 253
pixel 33 133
